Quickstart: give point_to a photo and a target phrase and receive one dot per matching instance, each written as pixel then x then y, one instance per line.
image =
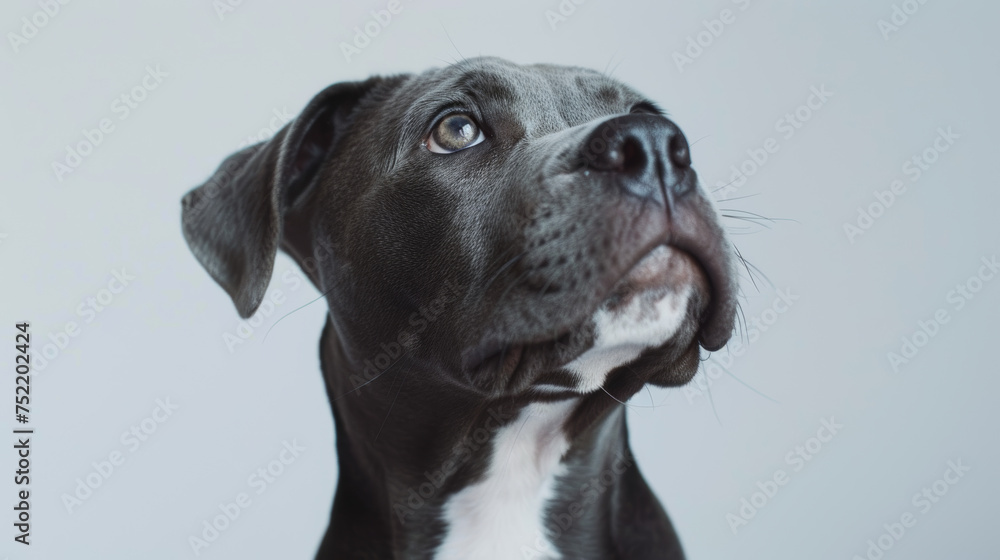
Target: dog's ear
pixel 233 222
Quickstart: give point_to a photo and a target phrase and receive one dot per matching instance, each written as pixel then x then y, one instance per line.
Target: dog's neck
pixel 432 473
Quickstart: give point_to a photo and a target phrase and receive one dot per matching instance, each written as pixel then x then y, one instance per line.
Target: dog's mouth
pixel 663 270
pixel 684 279
pixel 679 280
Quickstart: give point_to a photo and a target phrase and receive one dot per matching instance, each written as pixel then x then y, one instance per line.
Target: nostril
pixel 603 154
pixel 633 156
pixel 680 153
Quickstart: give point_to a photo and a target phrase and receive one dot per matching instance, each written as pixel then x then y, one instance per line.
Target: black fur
pixel 456 283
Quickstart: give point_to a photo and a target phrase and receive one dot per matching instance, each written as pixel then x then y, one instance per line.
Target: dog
pixel 508 253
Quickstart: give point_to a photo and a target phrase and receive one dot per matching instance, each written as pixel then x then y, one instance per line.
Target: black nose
pixel 648 154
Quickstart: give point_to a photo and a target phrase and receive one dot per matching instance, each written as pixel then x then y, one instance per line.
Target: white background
pixel 162 336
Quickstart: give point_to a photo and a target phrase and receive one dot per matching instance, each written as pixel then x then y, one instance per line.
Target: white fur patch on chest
pixel 623 334
pixel 502 516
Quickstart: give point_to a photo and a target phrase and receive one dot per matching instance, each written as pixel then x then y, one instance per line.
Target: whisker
pixel 737 198
pixel 747 212
pixel 545 288
pixel 615 69
pixel 504 267
pixel 514 446
pixel 720 187
pixel 452 42
pixel 760 273
pixel 743 317
pixel 385 371
pixel 321 296
pixel 744 261
pixel 613 397
pixel 652 402
pixel 511 286
pixel 608 65
pixel 755 221
pixel 708 389
pixel 730 374
pixel 700 139
pixel 757 216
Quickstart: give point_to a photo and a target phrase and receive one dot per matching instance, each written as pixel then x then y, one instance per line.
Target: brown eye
pixel 454 133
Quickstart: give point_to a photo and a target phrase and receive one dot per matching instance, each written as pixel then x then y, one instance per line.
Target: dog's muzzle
pixel 646 156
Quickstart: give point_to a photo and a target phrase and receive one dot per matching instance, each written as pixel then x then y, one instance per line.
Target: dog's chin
pixel 648 321
pixel 647 325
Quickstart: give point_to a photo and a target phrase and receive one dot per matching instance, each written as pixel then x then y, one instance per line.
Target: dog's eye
pixel 454 133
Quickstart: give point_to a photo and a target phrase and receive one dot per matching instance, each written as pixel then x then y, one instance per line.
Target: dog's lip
pixel 650 270
pixel 700 241
pixel 662 267
pixel 668 266
pixel 710 250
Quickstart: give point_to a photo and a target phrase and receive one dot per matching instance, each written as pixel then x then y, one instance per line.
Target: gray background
pixel 703 451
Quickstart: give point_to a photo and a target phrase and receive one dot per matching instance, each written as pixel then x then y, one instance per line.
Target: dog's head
pixel 507 228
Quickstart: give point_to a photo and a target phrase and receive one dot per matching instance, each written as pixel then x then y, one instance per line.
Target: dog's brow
pixel 482 86
pixel 472 90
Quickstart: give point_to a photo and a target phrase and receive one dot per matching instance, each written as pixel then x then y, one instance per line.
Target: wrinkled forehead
pixel 528 101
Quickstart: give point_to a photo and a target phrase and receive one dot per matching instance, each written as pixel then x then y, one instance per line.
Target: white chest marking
pixel 502 516
pixel 623 334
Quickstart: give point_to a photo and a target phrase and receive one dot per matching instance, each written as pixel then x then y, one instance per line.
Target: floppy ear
pixel 233 222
